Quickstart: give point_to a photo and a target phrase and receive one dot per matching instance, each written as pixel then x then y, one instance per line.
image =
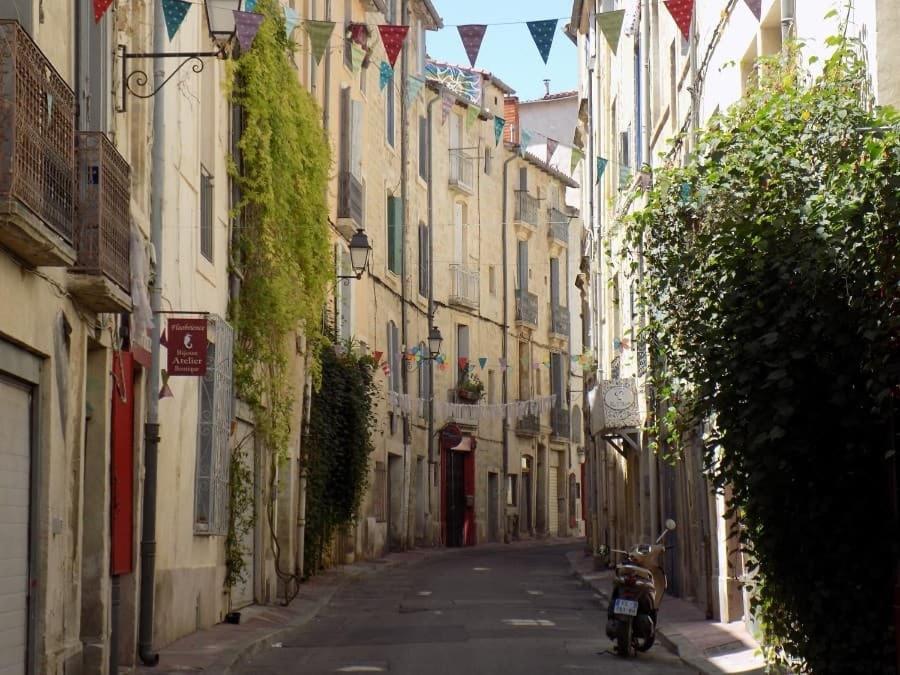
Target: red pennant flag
pixel 551 148
pixel 755 7
pixel 392 37
pixel 359 33
pixel 377 356
pixel 463 362
pixel 471 35
pixel 681 11
pixel 386 367
pixel 100 7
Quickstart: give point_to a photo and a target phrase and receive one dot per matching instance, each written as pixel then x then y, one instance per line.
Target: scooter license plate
pixel 626 607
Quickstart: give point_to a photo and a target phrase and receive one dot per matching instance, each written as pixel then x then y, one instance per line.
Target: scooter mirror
pixel 670 524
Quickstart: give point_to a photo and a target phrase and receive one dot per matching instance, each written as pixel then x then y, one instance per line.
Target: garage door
pixel 15 444
pixel 553 501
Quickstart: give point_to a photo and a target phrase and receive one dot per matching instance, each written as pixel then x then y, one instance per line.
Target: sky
pixel 509 51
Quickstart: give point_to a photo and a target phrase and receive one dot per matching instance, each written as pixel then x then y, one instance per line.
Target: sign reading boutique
pixel 186 347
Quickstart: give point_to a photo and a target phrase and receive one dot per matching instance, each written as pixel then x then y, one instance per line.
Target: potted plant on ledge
pixel 470 388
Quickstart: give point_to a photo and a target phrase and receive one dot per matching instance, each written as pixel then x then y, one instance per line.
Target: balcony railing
pixel 351 200
pixel 102 223
pixel 561 422
pixel 526 308
pixel 529 425
pixel 37 152
pixel 526 208
pixel 462 170
pixel 464 286
pixel 559 227
pixel 559 320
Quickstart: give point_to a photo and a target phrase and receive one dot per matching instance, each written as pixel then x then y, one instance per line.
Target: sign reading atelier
pixel 187 347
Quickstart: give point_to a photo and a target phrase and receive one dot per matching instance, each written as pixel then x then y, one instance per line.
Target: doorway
pixel 456 498
pixel 395 502
pixel 493 507
pixel 527 490
pixel 421 498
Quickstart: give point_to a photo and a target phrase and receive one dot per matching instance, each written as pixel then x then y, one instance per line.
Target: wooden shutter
pixel 356 141
pixel 395 234
pixel 344 151
pixel 522 264
pixel 554 282
pixel 122 469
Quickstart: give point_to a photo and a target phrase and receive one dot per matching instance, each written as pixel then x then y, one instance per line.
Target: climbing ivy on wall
pixel 281 247
pixel 772 276
pixel 337 448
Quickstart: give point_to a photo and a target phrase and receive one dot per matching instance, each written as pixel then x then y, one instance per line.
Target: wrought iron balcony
pixel 37 153
pixel 526 208
pixel 561 421
pixel 351 203
pixel 528 425
pixel 559 227
pixel 464 286
pixel 526 308
pixel 559 320
pixel 462 171
pixel 101 276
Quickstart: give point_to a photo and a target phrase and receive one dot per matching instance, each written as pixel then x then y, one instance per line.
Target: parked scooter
pixel 638 589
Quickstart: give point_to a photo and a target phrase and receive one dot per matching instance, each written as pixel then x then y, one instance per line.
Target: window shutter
pixel 344 159
pixel 554 282
pixel 356 143
pixel 522 265
pixel 395 234
pixel 423 148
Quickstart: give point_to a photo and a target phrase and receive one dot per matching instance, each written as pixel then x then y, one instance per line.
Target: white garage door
pixel 15 443
pixel 553 501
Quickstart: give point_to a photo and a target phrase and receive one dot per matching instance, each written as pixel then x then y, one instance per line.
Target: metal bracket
pixel 136 81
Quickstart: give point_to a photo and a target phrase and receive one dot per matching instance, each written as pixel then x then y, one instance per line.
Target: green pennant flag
pixel 577 156
pixel 471 115
pixel 601 167
pixel 319 34
pixel 357 55
pixel 610 24
pixel 174 12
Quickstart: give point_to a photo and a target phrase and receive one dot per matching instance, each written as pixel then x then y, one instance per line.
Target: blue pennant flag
pixel 543 32
pixel 386 74
pixel 174 12
pixel 601 167
pixel 249 5
pixel 499 123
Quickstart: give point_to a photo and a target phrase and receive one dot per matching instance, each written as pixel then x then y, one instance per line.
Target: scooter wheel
pixel 624 636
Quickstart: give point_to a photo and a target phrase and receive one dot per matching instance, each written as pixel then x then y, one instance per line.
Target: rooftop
pixel 553 97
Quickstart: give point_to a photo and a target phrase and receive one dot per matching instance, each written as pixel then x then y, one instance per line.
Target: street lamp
pixel 220 19
pixel 359 255
pixel 434 342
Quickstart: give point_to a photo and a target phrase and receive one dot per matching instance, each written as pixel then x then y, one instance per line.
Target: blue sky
pixel 509 51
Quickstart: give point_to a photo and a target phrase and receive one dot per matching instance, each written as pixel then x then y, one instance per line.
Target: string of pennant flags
pixel 418 354
pixel 515 410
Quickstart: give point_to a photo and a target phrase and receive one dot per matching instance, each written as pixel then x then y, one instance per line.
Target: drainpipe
pixel 404 198
pixel 326 81
pixel 788 18
pixel 151 427
pixel 301 505
pixel 430 364
pixel 505 227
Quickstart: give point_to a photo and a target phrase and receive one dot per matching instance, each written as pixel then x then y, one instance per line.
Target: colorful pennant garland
pixel 392 38
pixel 755 7
pixel 543 32
pixel 413 87
pixel 385 74
pixel 499 123
pixel 249 5
pixel 246 27
pixel 291 19
pixel 524 141
pixel 463 362
pixel 319 34
pixel 357 56
pixel 601 167
pixel 471 36
pixel 682 11
pixel 611 26
pixel 632 18
pixel 386 368
pixel 577 156
pixel 166 390
pixel 100 7
pixel 482 361
pixel 447 101
pixel 174 12
pixel 471 115
pixel 551 148
pixel 358 33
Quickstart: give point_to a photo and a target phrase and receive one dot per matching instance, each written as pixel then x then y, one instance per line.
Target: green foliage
pixel 337 448
pixel 242 513
pixel 281 246
pixel 772 269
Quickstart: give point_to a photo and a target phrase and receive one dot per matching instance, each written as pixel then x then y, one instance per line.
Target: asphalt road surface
pixel 515 611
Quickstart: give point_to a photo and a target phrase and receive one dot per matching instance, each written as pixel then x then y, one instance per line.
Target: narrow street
pixel 475 611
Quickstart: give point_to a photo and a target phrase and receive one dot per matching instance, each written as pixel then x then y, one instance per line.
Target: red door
pixel 122 468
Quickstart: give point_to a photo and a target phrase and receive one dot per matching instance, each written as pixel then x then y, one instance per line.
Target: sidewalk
pixel 708 646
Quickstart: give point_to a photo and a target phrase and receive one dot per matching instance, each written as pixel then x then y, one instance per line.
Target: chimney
pixel 511 115
pixel 547 88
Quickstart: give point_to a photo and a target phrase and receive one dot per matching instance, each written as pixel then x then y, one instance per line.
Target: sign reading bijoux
pixel 187 347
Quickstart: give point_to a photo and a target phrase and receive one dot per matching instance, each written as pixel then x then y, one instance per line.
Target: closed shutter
pixel 423 148
pixel 554 282
pixel 15 482
pixel 356 140
pixel 424 271
pixel 553 501
pixel 522 264
pixel 395 234
pixel 344 150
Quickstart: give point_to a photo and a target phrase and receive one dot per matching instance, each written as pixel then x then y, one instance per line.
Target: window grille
pixel 206 214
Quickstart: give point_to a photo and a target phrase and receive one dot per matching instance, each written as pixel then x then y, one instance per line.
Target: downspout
pixel 431 432
pixel 788 18
pixel 301 505
pixel 326 81
pixel 151 427
pixel 593 455
pixel 404 200
pixel 504 228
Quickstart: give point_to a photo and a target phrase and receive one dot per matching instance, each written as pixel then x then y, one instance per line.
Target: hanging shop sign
pixel 186 353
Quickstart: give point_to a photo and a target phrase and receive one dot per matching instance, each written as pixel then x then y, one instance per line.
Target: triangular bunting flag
pixel 755 7
pixel 377 356
pixel 471 115
pixel 166 391
pixel 463 362
pixel 386 368
pixel 100 7
pixel 174 12
pixel 499 123
pixel 385 74
pixel 682 11
pixel 246 26
pixel 577 156
pixel 392 37
pixel 632 17
pixel 551 148
pixel 601 167
pixel 357 54
pixel 524 141
pixel 611 26
pixel 543 32
pixel 447 101
pixel 249 5
pixel 291 19
pixel 163 340
pixel 471 36
pixel 413 87
pixel 359 33
pixel 482 362
pixel 319 34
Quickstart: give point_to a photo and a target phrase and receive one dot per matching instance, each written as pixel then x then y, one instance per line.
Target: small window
pixel 206 214
pixel 492 280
